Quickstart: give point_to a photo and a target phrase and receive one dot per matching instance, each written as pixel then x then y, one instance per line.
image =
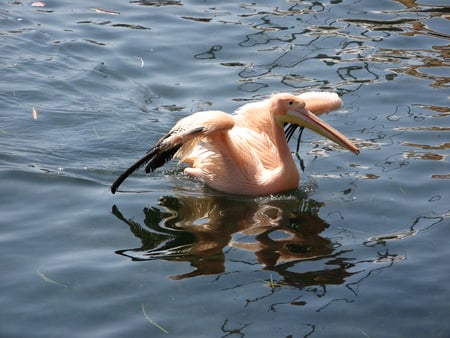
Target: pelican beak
pixel 305 118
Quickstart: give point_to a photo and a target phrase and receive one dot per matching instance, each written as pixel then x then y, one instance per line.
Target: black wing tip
pixel 121 178
pixel 148 157
pixel 154 159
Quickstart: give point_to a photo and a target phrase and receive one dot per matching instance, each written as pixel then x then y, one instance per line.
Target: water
pixel 361 249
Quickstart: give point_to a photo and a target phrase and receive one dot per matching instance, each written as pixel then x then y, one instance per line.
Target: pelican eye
pixel 291 103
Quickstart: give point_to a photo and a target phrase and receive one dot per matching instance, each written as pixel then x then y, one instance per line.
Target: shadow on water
pixel 282 233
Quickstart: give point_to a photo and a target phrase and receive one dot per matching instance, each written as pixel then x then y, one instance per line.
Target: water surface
pixel 360 249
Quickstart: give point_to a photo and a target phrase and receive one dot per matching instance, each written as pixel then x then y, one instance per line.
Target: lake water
pixel 360 250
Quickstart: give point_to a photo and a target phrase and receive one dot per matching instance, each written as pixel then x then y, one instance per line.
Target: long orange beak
pixel 305 118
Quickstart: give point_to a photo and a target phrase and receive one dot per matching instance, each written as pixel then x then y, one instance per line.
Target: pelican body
pixel 247 152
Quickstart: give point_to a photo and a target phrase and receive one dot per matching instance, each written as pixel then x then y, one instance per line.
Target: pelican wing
pixel 188 132
pixel 321 102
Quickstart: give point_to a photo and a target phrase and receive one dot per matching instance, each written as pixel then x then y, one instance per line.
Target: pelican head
pixel 288 108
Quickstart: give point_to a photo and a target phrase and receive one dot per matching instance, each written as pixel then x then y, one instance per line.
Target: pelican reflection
pixel 203 230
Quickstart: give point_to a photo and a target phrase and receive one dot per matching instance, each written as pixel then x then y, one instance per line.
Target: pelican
pixel 247 152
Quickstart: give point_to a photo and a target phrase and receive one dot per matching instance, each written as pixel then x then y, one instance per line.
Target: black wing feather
pixel 148 156
pixel 161 153
pixel 161 158
pixel 289 132
pixel 155 158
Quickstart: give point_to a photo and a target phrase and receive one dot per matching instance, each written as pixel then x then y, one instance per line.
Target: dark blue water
pixel 359 250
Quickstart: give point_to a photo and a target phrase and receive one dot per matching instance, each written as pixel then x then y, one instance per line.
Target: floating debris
pixel 39 4
pixel 35 113
pixel 95 132
pixel 105 11
pixel 49 280
pixel 140 59
pixel 151 321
